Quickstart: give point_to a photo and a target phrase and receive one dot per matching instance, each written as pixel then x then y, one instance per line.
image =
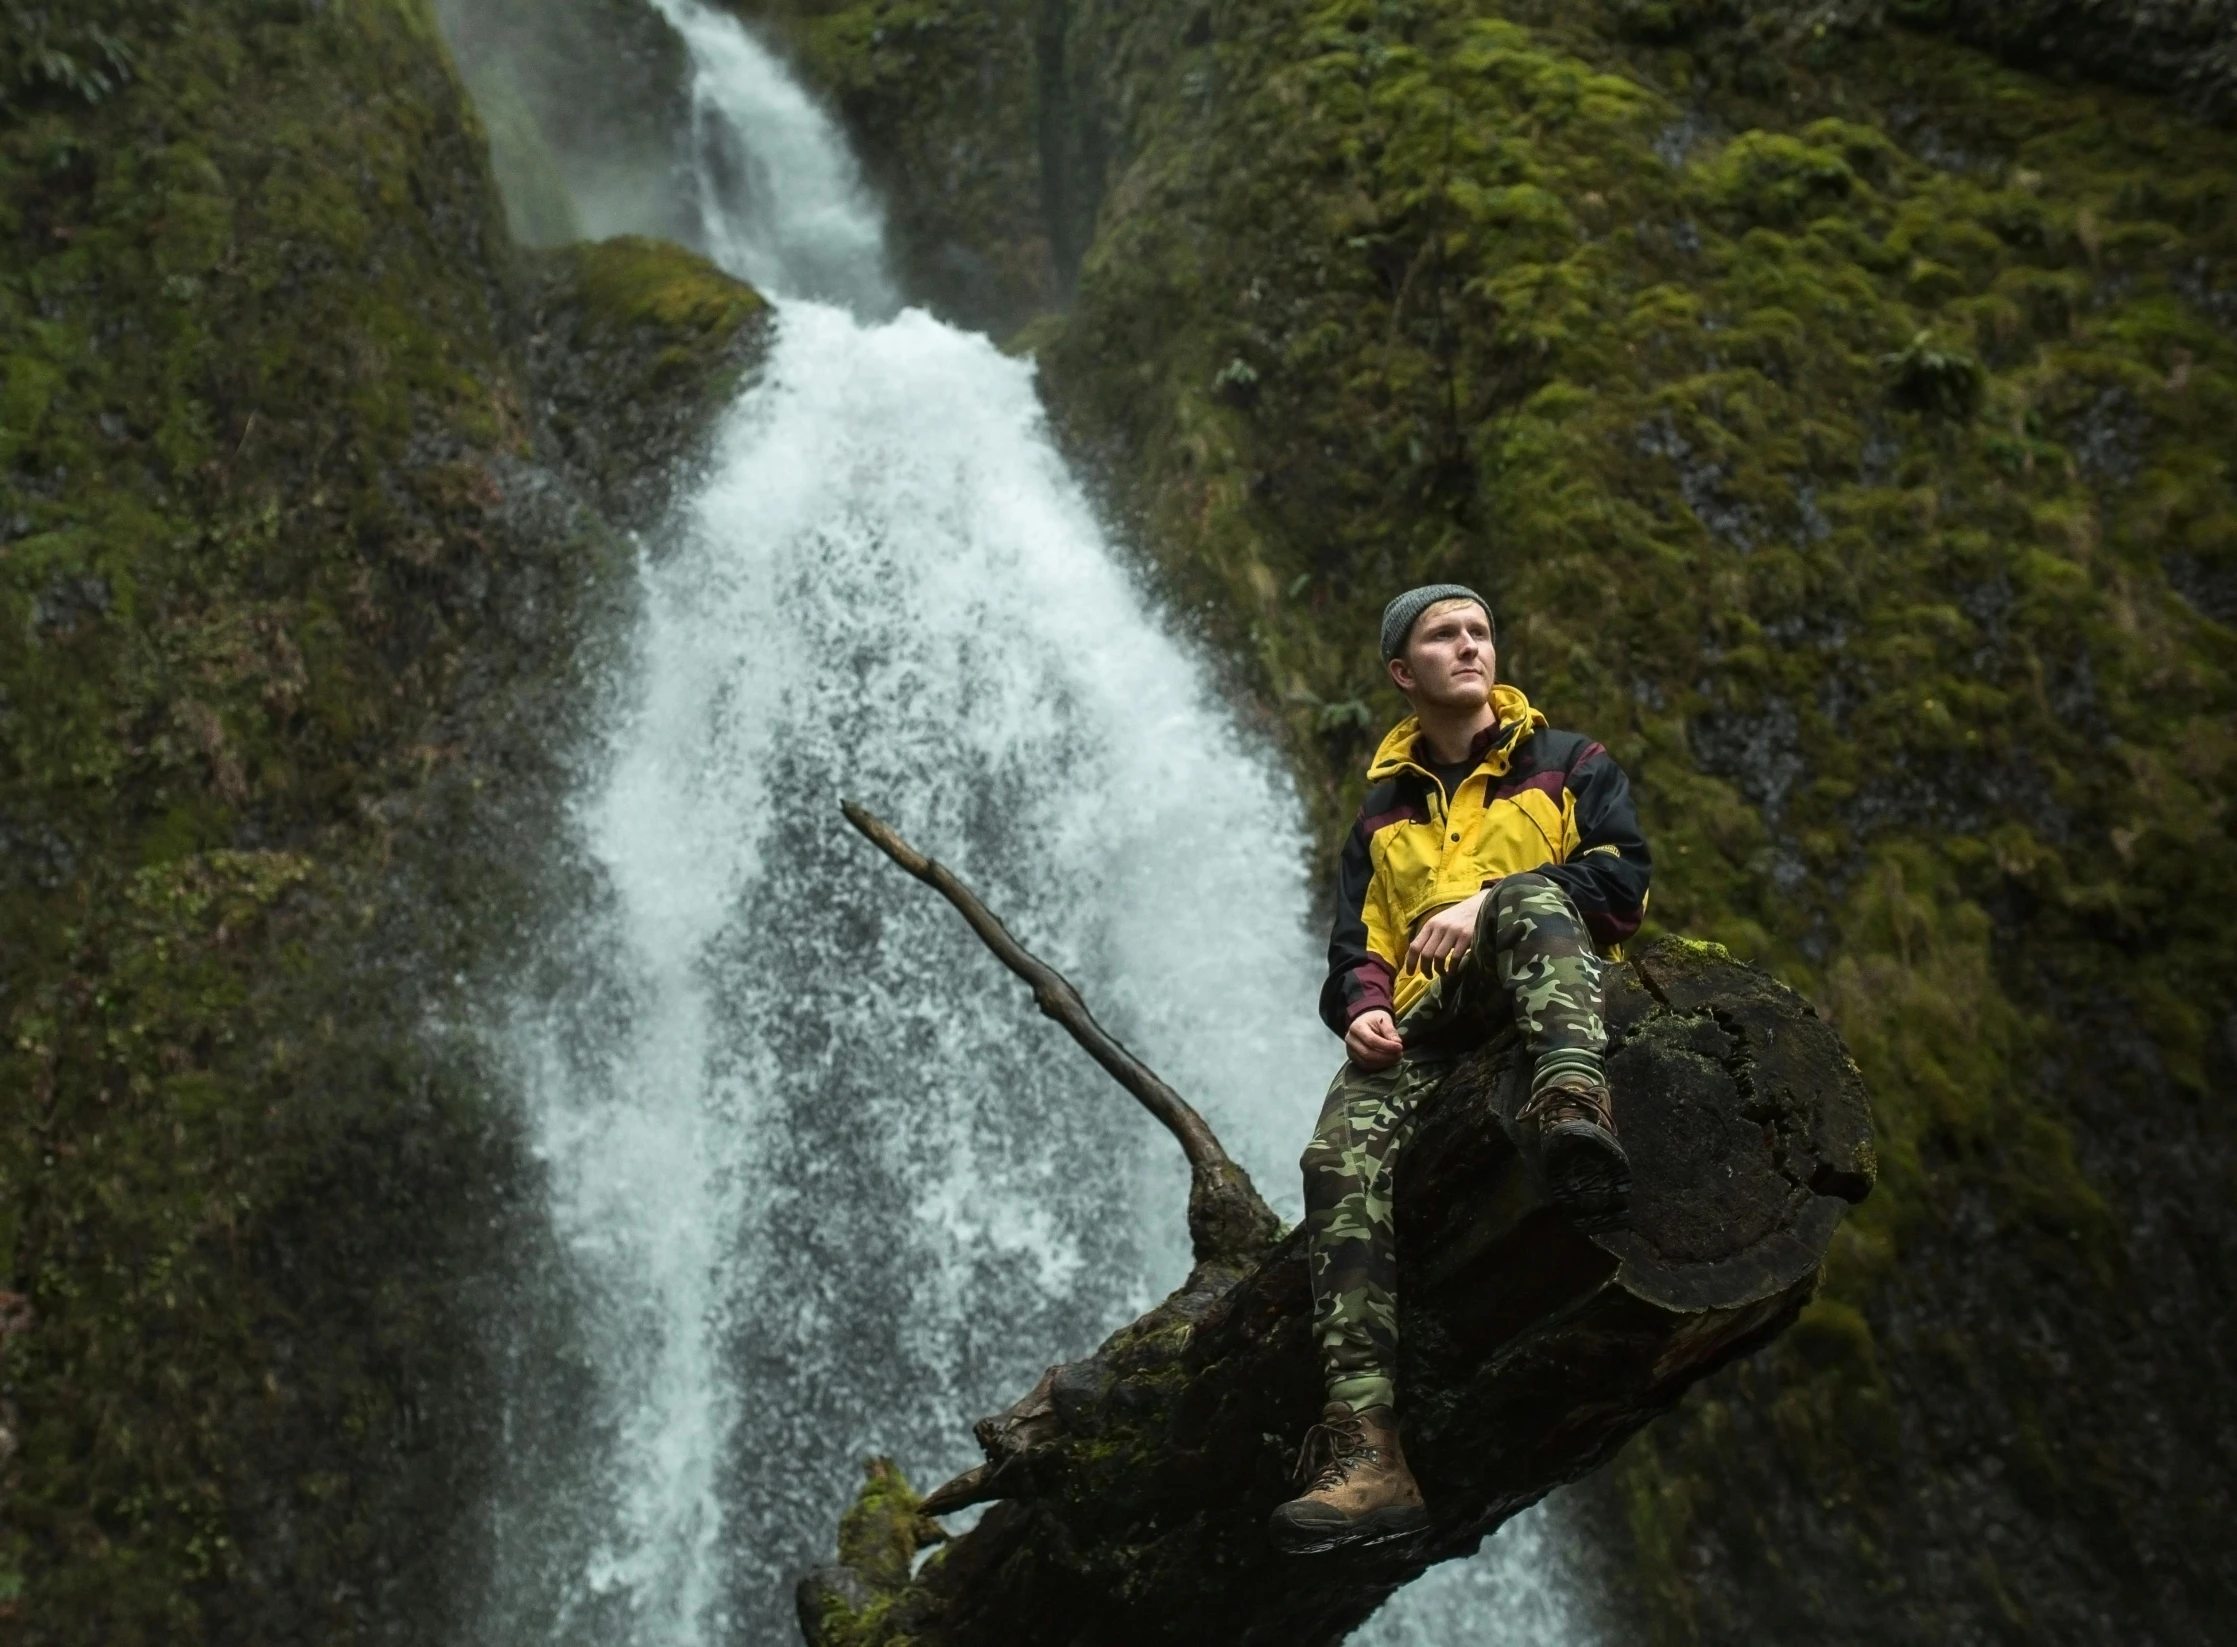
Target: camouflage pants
pixel 1533 964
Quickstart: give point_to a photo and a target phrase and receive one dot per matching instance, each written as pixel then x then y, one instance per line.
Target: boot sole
pixel 1588 1175
pixel 1317 1536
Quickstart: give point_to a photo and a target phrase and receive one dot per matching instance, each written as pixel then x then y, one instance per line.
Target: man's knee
pixel 1533 906
pixel 1528 891
pixel 1328 1152
pixel 1362 1104
pixel 1323 1159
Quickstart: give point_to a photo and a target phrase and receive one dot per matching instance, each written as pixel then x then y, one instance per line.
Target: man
pixel 1491 858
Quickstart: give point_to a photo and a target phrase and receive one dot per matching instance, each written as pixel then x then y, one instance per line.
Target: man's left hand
pixel 1445 936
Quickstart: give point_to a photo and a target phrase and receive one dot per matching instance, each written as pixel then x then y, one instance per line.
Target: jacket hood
pixel 1517 721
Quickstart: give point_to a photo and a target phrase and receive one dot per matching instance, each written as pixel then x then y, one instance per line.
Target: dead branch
pixel 1228 1220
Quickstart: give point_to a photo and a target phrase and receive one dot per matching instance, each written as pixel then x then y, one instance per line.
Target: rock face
pixel 1839 421
pixel 304 530
pixel 2184 50
pixel 1136 1484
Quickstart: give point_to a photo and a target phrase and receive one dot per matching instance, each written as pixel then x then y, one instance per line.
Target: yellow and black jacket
pixel 1536 799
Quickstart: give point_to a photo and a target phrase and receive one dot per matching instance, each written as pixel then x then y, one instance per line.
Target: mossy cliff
pixel 2185 50
pixel 993 128
pixel 297 550
pixel 1840 418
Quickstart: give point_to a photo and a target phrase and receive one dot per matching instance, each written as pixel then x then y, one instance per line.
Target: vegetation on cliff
pixel 1839 419
pixel 287 554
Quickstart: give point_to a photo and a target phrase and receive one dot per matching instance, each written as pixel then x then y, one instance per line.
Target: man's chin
pixel 1467 696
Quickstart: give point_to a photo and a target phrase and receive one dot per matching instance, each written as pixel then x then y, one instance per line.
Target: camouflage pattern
pixel 1544 977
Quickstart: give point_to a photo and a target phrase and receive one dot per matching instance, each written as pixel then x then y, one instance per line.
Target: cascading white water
pixel 823 1183
pixel 781 205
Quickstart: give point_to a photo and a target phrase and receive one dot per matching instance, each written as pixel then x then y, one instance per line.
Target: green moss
pixel 632 282
pixel 639 345
pixel 879 1538
pixel 1703 948
pixel 882 1531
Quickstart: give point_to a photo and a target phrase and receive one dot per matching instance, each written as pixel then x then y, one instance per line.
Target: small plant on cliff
pixel 1928 378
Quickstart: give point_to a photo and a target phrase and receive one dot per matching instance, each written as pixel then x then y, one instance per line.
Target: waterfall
pixel 780 204
pixel 822 1181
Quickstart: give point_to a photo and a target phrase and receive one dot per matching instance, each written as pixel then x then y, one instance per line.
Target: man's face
pixel 1449 659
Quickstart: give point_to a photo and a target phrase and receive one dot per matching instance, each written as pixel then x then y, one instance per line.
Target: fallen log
pixel 1132 1488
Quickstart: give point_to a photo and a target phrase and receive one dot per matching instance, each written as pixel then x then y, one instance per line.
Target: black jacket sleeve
pixel 1359 980
pixel 1608 872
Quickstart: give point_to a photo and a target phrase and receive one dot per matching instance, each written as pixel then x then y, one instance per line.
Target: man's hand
pixel 1442 939
pixel 1372 1041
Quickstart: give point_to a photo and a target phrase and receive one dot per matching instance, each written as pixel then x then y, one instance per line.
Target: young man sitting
pixel 1491 856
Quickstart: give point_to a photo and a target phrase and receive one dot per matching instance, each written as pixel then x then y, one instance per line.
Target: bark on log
pixel 1135 1485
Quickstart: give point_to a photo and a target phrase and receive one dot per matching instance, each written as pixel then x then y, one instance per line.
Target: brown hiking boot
pixel 1587 1173
pixel 1361 1492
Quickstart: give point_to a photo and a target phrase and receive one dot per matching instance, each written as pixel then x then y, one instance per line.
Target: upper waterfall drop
pixel 781 203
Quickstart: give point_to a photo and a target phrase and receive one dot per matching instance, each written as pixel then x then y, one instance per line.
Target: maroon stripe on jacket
pixel 1608 927
pixel 1415 811
pixel 1549 784
pixel 1367 988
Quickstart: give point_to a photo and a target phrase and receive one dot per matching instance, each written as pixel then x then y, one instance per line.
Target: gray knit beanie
pixel 1401 614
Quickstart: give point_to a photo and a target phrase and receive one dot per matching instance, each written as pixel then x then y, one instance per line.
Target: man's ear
pixel 1401 677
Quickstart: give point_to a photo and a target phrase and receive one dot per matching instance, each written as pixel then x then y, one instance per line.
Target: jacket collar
pixel 1495 747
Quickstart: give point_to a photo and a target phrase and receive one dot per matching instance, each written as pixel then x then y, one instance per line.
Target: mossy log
pixel 1134 1486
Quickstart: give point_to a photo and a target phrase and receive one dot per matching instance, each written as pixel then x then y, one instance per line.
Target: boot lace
pixel 1331 1452
pixel 1551 1106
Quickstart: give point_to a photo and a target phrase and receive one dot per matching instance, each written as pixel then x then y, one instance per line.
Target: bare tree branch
pixel 1227 1217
